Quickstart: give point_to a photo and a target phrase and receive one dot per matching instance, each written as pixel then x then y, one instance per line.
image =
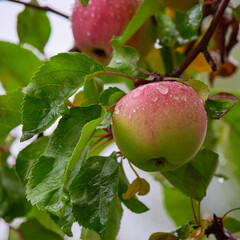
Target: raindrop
pixel 129 115
pixel 136 94
pixel 162 89
pixel 88 33
pixel 154 99
pixel 184 98
pixel 116 111
pixel 221 180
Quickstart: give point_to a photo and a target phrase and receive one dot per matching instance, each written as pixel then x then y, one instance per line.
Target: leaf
pixel 94 196
pixel 10 112
pixel 14 235
pixel 33 27
pixel 219 104
pixel 230 141
pixel 231 224
pixel 87 234
pixel 133 204
pixel 56 80
pixel 178 205
pixel 110 96
pixel 49 174
pixel 17 65
pixel 236 12
pixel 145 11
pixel 124 59
pixel 46 221
pixel 92 90
pixel 193 178
pixel 32 229
pixel 27 156
pixel 183 28
pixel 139 186
pixel 163 236
pixel 199 233
pixel 84 2
pixel 13 202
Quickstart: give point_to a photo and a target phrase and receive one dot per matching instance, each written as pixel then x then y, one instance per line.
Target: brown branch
pixel 117 74
pixel 43 8
pixel 204 41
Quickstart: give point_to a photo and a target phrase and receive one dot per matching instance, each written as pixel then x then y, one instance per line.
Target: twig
pixel 44 8
pixel 204 41
pixel 133 169
pixel 100 145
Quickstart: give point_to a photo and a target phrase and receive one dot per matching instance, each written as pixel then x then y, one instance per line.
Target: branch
pixel 204 41
pixel 43 8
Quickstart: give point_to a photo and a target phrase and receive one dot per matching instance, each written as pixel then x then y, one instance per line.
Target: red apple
pixel 160 126
pixel 95 25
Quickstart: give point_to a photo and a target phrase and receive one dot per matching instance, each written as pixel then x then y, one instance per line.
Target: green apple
pixel 160 126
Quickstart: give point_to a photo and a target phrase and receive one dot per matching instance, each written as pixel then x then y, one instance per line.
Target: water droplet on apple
pixel 154 99
pixel 136 94
pixel 116 110
pixel 88 33
pixel 162 89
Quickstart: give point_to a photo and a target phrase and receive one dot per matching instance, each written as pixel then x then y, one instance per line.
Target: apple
pixel 160 126
pixel 183 5
pixel 94 26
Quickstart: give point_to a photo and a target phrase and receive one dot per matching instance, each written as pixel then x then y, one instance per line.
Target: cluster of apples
pixel 158 126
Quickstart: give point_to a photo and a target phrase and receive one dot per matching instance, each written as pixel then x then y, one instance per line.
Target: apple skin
pixel 94 26
pixel 182 5
pixel 160 126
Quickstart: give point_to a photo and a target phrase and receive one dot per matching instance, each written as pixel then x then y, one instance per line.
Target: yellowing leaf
pixel 163 236
pixel 198 233
pixel 139 185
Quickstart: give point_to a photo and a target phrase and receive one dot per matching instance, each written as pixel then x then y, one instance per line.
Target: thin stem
pixel 204 41
pixel 199 212
pixel 117 74
pixel 194 212
pixel 44 8
pixel 133 169
pixel 234 209
pixel 101 138
pixel 100 145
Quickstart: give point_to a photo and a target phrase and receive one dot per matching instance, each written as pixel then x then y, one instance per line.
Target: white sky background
pixel 133 226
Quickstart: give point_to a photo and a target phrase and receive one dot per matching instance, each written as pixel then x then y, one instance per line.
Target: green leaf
pixel 124 59
pixel 32 229
pixel 49 174
pixel 46 221
pixel 219 104
pixel 92 90
pixel 145 11
pixel 14 234
pixel 110 96
pixel 84 2
pixel 193 178
pixel 13 202
pixel 178 205
pixel 132 204
pixel 17 66
pixel 163 236
pixel 10 112
pixel 33 27
pixel 231 224
pixel 27 156
pixel 230 142
pixel 180 30
pixel 56 80
pixel 236 12
pixel 87 234
pixel 94 196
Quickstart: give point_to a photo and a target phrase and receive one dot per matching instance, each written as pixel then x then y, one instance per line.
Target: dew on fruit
pixel 136 94
pixel 93 15
pixel 176 98
pixel 184 98
pixel 162 89
pixel 116 110
pixel 130 115
pixel 154 99
pixel 88 33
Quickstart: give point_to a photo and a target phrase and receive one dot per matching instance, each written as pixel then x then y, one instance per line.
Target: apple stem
pixel 133 169
pixel 194 213
pixel 117 74
pixel 44 8
pixel 201 47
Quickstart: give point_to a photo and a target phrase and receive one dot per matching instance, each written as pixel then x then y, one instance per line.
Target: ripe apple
pixel 183 5
pixel 160 126
pixel 95 25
